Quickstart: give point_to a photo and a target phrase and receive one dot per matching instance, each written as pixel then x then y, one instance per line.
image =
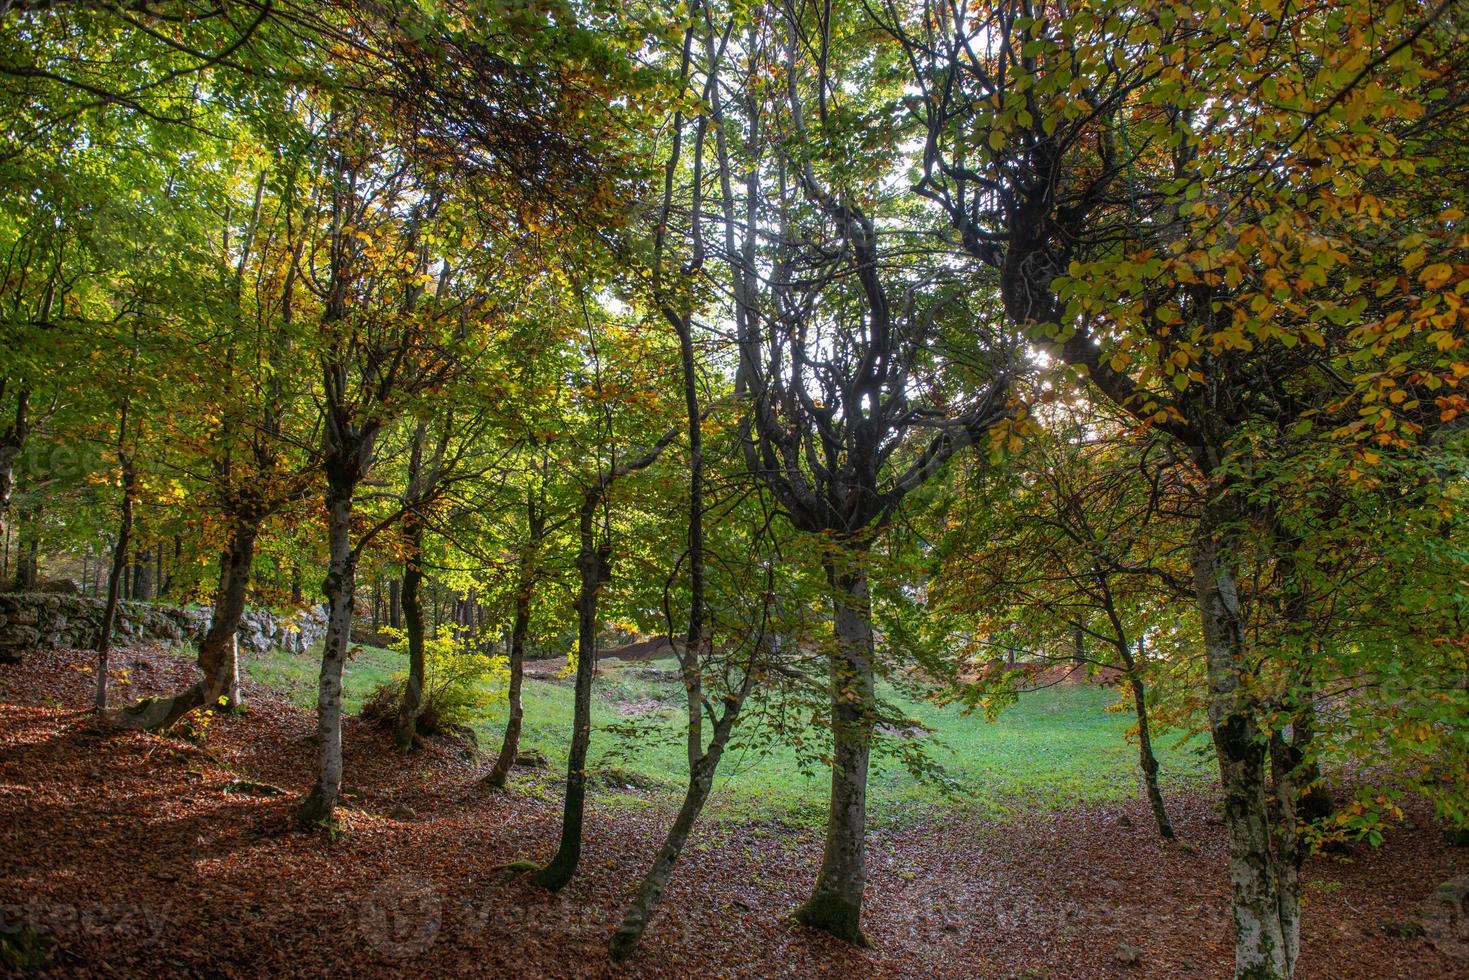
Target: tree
pixel 528 573
pixel 381 344
pixel 845 355
pixel 1079 546
pixel 1203 240
pixel 594 571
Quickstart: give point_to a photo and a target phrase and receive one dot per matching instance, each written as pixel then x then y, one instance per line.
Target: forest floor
pixel 143 854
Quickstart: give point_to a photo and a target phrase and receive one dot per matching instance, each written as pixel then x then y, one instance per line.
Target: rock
pixel 17 637
pixel 23 615
pixel 1128 955
pixel 402 811
pixel 1124 821
pixel 530 759
pixel 59 620
pixel 1401 930
pixel 250 788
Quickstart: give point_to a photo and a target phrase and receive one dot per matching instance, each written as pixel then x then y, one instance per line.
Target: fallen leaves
pixel 140 854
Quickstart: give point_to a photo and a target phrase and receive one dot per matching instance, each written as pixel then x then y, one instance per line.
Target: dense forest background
pixel 849 358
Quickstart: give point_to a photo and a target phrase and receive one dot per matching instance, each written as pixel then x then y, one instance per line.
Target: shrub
pixel 459 683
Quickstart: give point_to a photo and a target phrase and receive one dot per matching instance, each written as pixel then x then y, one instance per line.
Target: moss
pixel 834 915
pixel 24 949
pixel 520 866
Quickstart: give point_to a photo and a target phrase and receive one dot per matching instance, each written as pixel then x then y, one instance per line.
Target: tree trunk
pixel 1315 802
pixel 234 698
pixel 12 441
pixel 701 782
pixel 412 702
pixel 394 605
pixel 592 562
pixel 114 582
pixel 218 651
pixel 593 559
pixel 519 632
pixel 835 904
pixel 377 602
pixel 1285 765
pixel 650 892
pixel 143 575
pixel 510 744
pixel 1146 760
pixel 338 588
pixel 1261 950
pixel 27 549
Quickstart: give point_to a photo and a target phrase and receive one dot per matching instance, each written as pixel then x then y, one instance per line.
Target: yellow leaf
pixel 1436 275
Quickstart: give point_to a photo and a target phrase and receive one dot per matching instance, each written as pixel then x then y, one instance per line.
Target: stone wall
pixel 37 620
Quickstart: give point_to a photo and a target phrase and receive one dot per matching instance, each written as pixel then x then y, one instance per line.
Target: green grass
pixel 1055 747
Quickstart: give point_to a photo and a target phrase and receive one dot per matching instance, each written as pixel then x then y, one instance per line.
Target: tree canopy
pixel 848 347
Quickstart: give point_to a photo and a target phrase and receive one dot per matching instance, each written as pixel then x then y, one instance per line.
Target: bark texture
pixel 519 634
pixel 1265 915
pixel 338 587
pixel 835 904
pixel 218 651
pixel 592 563
pixel 1147 761
pixel 412 703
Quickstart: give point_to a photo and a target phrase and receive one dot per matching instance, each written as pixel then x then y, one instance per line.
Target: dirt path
pixel 153 855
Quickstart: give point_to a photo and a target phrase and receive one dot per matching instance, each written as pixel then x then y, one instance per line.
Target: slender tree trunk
pixel 412 702
pixel 1315 801
pixel 1147 761
pixel 515 719
pixel 650 892
pixel 143 575
pixel 218 651
pixel 27 552
pixel 1261 947
pixel 377 601
pixel 12 441
pixel 234 698
pixel 835 904
pixel 394 605
pixel 1295 755
pixel 114 580
pixel 701 781
pixel 519 633
pixel 338 587
pixel 592 562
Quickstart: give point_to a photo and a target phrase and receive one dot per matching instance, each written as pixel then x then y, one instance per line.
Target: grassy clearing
pixel 1055 747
